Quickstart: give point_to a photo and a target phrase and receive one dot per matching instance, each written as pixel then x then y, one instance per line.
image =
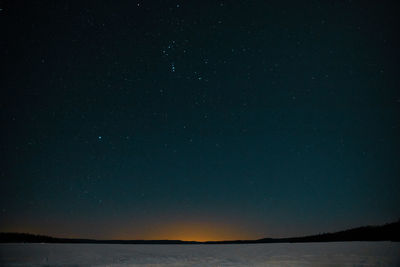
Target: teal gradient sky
pixel 207 120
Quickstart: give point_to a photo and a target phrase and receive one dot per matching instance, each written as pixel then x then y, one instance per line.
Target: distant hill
pixel 387 232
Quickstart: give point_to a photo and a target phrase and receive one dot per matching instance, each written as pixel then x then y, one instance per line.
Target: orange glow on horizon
pixel 190 231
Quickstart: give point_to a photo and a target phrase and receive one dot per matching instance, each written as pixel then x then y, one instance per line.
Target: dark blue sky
pixel 198 120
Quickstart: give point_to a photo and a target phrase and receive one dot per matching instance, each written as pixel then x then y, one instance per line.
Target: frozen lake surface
pixel 301 254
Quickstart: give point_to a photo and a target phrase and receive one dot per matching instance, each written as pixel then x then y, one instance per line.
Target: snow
pixel 301 254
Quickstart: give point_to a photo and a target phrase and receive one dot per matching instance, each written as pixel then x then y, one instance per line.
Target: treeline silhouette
pixel 387 232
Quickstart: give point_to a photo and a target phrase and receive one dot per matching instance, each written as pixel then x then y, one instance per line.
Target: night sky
pixel 200 120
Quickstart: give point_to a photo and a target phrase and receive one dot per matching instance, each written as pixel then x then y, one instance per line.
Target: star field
pixel 138 118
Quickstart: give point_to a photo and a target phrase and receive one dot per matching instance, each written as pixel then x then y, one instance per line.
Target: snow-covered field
pixel 308 254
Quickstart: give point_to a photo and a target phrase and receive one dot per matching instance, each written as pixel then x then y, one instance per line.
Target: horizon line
pixel 263 239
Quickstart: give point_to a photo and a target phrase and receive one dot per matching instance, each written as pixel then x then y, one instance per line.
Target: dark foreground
pixel 283 254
